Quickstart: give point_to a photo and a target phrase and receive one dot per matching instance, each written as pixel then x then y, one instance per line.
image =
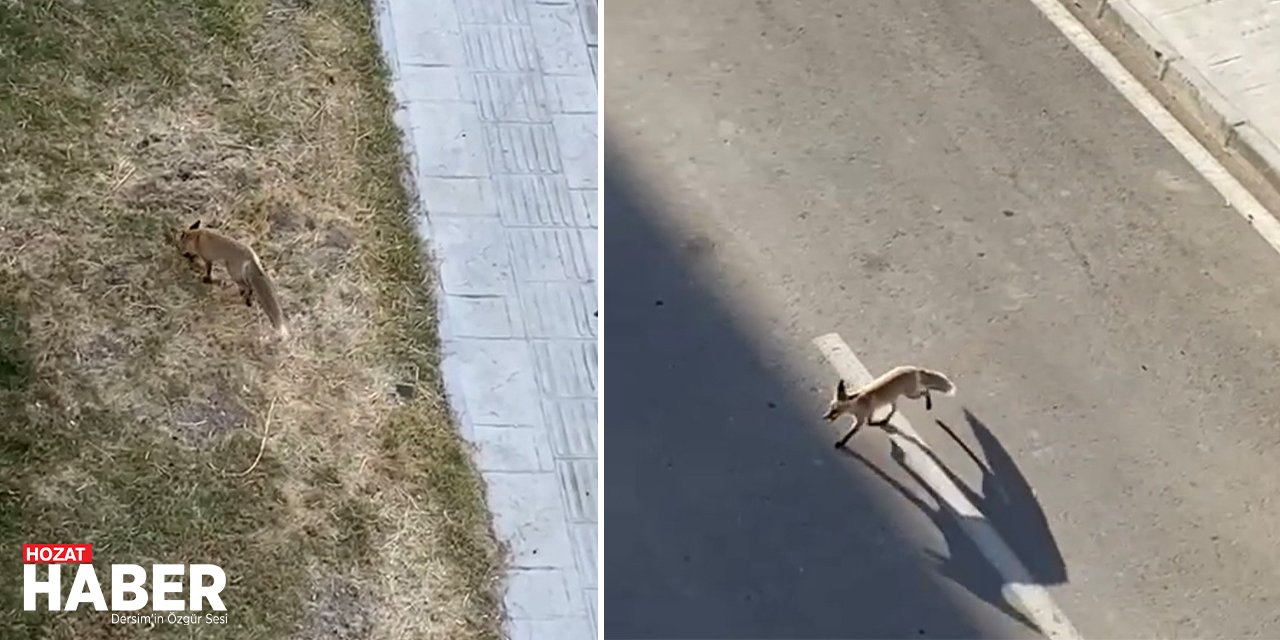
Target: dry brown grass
pixel 132 395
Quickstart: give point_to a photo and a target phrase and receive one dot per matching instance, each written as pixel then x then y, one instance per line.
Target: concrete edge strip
pixel 1019 589
pixel 432 257
pixel 1189 89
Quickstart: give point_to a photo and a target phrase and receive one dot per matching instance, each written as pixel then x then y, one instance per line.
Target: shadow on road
pixel 964 563
pixel 1007 502
pixel 726 512
pixel 1012 507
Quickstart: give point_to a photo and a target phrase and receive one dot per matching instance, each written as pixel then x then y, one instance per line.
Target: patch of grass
pixel 133 396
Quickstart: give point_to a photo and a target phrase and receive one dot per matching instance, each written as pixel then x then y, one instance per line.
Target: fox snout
pixel 832 414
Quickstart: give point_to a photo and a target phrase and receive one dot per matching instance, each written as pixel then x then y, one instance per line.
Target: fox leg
pixel 893 409
pixel 246 292
pixel 923 393
pixel 856 425
pixel 208 272
pixel 858 419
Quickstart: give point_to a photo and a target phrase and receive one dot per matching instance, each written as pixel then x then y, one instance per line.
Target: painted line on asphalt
pixel 1020 590
pixel 1149 106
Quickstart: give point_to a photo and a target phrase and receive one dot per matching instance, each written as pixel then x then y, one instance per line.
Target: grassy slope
pixel 132 396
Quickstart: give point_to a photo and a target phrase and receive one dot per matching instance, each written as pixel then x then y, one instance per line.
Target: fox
pixel 242 264
pixel 907 381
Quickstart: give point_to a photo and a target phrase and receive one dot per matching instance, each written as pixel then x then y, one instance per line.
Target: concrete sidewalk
pixel 1219 60
pixel 498 104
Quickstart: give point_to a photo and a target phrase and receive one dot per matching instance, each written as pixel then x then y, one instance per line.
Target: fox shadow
pixel 1011 505
pixel 1008 504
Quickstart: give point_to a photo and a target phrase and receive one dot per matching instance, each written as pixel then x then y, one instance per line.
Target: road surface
pixel 952 185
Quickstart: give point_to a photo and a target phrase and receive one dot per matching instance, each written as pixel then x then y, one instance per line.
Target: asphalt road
pixel 948 184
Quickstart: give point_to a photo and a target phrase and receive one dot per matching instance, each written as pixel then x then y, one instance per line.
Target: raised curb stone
pixel 1218 62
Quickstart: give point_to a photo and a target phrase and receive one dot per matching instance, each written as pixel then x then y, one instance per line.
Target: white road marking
pixel 1019 589
pixel 1235 194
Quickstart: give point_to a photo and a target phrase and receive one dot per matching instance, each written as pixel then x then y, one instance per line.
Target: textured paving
pixel 498 102
pixel 1222 57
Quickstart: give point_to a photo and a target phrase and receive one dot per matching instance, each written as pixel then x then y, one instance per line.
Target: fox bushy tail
pixel 935 381
pixel 266 294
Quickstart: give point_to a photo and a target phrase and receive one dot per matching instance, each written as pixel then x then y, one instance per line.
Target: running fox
pixel 242 264
pixel 906 381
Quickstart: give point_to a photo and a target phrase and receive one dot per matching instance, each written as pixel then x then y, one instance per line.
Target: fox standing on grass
pixel 242 264
pixel 906 381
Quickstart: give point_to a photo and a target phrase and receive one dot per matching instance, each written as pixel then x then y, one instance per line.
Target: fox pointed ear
pixel 195 225
pixel 842 393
